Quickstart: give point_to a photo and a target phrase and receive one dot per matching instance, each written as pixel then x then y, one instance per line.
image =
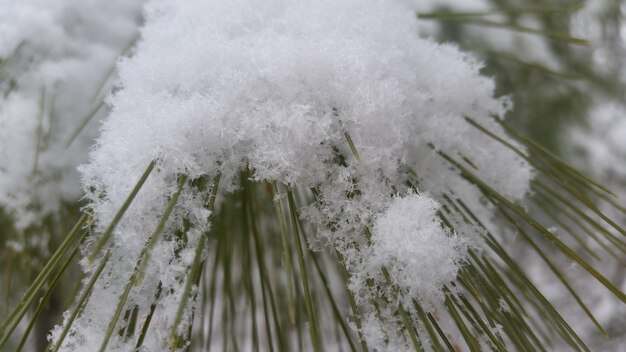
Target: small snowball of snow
pixel 55 61
pixel 420 255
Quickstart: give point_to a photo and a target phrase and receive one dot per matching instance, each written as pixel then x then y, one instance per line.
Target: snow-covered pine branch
pixel 294 91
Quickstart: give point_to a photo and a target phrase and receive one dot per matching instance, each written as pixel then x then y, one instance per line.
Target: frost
pixel 282 88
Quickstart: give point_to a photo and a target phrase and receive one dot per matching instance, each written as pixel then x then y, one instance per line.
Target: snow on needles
pixel 277 86
pixel 410 241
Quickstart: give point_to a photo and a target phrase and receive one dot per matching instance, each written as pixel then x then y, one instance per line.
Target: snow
pixel 420 255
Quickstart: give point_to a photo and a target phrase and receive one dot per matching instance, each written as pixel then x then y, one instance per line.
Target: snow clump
pixel 419 254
